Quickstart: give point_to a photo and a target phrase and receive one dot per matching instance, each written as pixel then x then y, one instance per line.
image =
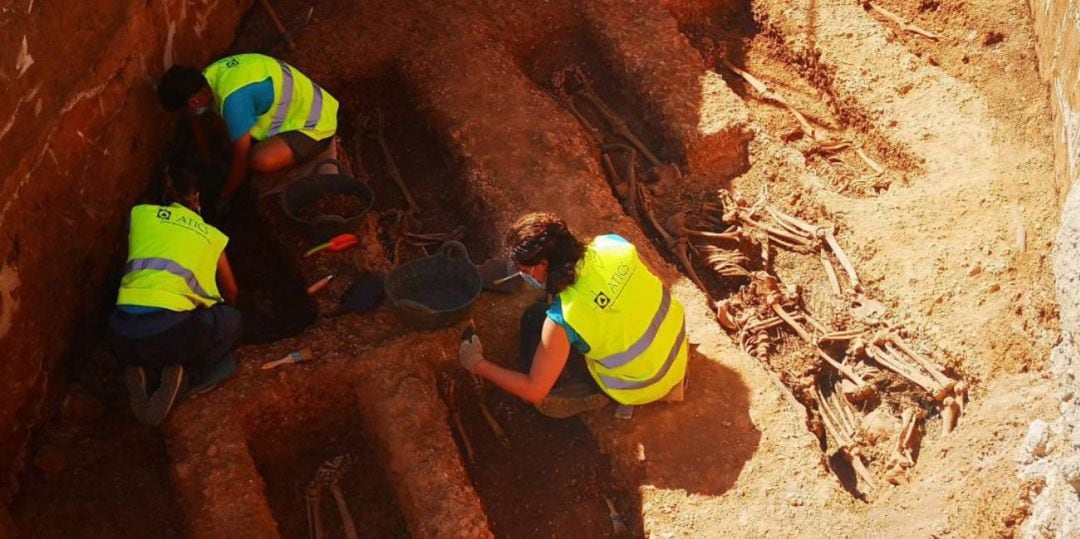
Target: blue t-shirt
pixel 554 312
pixel 244 106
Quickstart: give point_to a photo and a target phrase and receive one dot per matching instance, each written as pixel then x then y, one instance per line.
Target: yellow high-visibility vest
pixel 635 330
pixel 299 104
pixel 172 259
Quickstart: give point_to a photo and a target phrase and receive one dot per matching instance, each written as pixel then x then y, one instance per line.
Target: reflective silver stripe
pixel 615 383
pixel 316 109
pixel 645 341
pixel 286 99
pixel 164 264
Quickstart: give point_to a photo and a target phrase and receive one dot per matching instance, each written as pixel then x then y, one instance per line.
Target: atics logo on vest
pixel 195 225
pixel 615 283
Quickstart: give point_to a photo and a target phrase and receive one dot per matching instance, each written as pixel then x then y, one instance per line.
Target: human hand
pixel 471 352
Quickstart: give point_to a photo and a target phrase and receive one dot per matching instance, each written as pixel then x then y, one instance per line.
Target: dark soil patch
pixel 339 204
pixel 273 301
pixel 288 458
pixel 550 482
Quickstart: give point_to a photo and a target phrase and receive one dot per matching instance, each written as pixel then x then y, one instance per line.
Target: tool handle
pixel 317 248
pixel 319 285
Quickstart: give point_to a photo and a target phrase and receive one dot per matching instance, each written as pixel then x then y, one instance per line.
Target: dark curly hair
pixel 178 85
pixel 540 236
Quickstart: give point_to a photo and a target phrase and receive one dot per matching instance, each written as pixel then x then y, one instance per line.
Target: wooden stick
pixel 391 166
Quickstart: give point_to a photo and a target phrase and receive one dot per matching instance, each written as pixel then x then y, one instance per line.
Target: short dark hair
pixel 540 236
pixel 178 182
pixel 178 85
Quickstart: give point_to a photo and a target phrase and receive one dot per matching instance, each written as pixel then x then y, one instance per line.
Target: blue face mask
pixel 532 281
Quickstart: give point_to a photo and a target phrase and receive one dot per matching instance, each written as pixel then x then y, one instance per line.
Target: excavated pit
pixel 288 452
pixel 466 99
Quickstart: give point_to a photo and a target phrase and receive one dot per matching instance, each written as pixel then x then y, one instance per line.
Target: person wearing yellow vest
pixel 611 319
pixel 172 327
pixel 274 114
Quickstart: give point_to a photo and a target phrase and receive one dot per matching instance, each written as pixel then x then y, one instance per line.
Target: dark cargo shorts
pixel 304 147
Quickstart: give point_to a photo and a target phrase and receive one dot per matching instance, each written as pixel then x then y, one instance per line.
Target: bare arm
pixel 238 169
pixel 225 280
pixel 548 364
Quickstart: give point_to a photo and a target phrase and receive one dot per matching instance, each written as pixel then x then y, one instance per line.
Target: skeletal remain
pixel 909 27
pixel 391 165
pixel 496 428
pixel 627 189
pixel 314 497
pixel 821 143
pixel 572 80
pixel 775 305
pixel 830 271
pixel 450 394
pixel 769 95
pixel 328 475
pixel 960 390
pixel 950 409
pixel 887 360
pixel 842 257
pixel 844 440
pixel 566 100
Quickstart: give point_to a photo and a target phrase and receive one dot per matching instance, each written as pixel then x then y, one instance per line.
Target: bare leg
pixel 271 155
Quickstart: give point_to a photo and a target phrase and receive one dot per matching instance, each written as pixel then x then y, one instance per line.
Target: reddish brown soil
pixel 933 238
pixel 287 460
pixel 551 481
pixel 336 204
pixel 97 472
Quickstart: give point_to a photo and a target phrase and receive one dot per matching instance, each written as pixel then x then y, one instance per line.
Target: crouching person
pixel 611 332
pixel 172 327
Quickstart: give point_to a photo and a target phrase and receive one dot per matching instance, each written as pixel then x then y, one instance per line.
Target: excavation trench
pixel 478 132
pixel 291 449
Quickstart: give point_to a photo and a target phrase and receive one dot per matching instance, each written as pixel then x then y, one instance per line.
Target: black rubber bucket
pixel 306 191
pixel 436 291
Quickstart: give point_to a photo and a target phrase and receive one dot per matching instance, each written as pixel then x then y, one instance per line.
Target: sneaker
pixel 572 399
pixel 135 381
pixel 161 402
pixel 212 376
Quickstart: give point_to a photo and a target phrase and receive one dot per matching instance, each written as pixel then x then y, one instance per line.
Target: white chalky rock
pixel 1035 443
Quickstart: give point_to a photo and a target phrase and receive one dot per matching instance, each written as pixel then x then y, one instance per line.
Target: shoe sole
pixel 135 382
pixel 563 407
pixel 162 401
pixel 221 372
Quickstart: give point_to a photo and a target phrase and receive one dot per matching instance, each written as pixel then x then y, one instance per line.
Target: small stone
pixel 994 288
pixel 975 270
pixel 640 452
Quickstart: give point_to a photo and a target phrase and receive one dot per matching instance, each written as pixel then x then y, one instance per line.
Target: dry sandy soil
pixel 953 238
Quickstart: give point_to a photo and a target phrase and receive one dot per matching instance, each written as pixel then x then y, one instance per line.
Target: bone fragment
pixel 770 95
pixel 314 496
pixel 844 261
pixel 343 509
pixel 830 271
pixel 790 321
pixel 941 379
pixel 899 21
pixel 950 410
